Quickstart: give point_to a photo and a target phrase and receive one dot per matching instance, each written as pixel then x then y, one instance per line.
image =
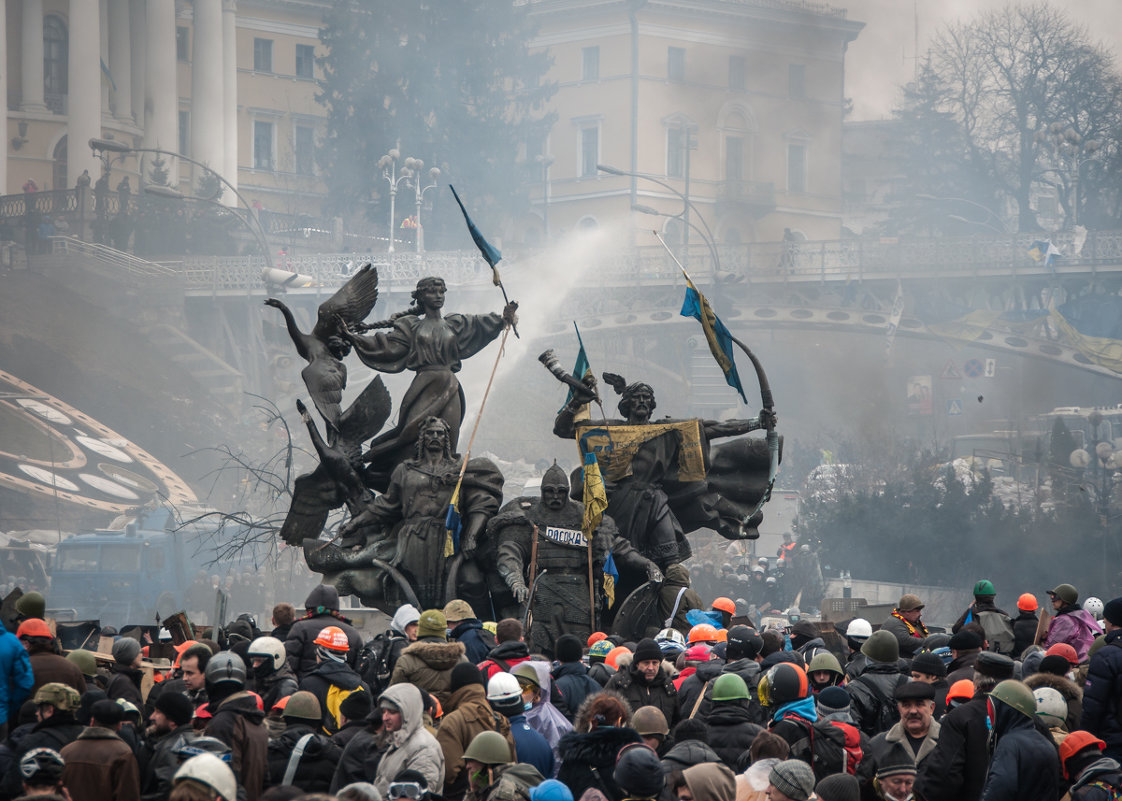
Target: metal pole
pixel 687 135
pixel 417 217
pixel 393 198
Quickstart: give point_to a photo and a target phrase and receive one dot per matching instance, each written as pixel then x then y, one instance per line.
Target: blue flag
pixel 581 368
pixel 490 253
pixel 720 340
pixel 453 525
pixel 611 578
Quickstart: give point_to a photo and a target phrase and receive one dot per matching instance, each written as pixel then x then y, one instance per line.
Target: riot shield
pixel 638 617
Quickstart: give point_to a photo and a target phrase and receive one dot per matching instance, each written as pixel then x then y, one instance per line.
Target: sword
pixel 530 601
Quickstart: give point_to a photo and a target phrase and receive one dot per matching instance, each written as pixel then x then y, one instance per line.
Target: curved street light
pixel 113 146
pixel 159 190
pixel 1000 227
pixel 639 207
pixel 416 165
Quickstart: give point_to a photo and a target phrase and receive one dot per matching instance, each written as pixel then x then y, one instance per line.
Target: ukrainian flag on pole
pixel 453 523
pixel 720 340
pixel 595 502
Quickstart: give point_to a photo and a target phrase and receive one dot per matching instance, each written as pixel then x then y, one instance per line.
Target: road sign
pixel 950 370
pixel 954 407
pixel 991 368
pixel 973 368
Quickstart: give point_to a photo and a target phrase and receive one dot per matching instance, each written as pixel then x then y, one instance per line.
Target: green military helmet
pixel 61 696
pixel 1017 695
pixel 824 660
pixel 84 660
pixel 882 647
pixel 524 671
pixel 730 687
pixel 984 587
pixel 32 604
pixel 1066 593
pixel 303 705
pixel 489 748
pixel 649 720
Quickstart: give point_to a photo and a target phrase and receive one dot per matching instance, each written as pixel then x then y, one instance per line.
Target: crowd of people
pixel 444 705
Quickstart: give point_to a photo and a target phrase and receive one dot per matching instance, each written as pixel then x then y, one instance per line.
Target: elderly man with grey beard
pixel 912 739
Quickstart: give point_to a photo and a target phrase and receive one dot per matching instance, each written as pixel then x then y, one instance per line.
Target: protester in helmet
pixel 1025 624
pixel 466 715
pixel 873 690
pixel 99 764
pixel 56 726
pixel 541 715
pixel 206 773
pixel 321 610
pixel 1024 764
pixel 492 773
pixel 652 727
pixel 1071 624
pixel 464 627
pixel 785 692
pixel 731 725
pixel 1093 775
pixel 824 671
pixel 504 695
pixel 333 679
pixel 726 607
pixel 302 755
pixel 1104 675
pixel 41 772
pixel 1051 712
pixel 856 633
pixel 46 663
pixel 646 683
pixel 1055 672
pixel 273 679
pixel 598 668
pixel 237 721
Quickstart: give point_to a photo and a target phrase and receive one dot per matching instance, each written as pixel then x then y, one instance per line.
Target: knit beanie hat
pixel 176 707
pixel 1112 612
pixel 793 778
pixel 568 648
pixel 930 664
pixel 839 787
pixel 463 674
pixel 432 624
pixel 1055 664
pixel 647 649
pixel 356 706
pixel 832 700
pixel 639 772
pixel 126 650
pixel 965 641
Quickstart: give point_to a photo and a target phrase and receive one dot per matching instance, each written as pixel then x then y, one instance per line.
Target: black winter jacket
pixel 873 691
pixel 1025 765
pixel 320 681
pixel 1088 788
pixel 1024 632
pixel 300 643
pixel 686 754
pixel 58 730
pixel 352 760
pixel 315 767
pixel 124 682
pixel 162 762
pixel 239 724
pixel 1102 693
pixel 956 769
pixel 601 673
pixel 660 692
pixel 477 641
pixel 749 671
pixel 588 759
pixel 697 682
pixel 279 684
pixel 731 730
pixel 574 684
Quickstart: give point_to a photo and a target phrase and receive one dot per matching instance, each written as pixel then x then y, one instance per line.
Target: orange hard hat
pixel 1064 650
pixel 961 690
pixel 1076 742
pixel 179 649
pixel 280 705
pixel 333 638
pixel 722 635
pixel 1027 602
pixel 260 701
pixel 725 605
pixel 702 632
pixel 595 637
pixel 613 656
pixel 34 627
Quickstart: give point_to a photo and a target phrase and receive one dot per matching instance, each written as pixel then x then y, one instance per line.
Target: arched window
pixel 55 47
pixel 737 125
pixel 58 165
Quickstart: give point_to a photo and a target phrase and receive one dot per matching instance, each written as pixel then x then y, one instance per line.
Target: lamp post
pixel 415 166
pixel 167 192
pixel 1000 227
pixel 388 163
pixel 686 202
pixel 639 207
pixel 545 161
pixel 102 146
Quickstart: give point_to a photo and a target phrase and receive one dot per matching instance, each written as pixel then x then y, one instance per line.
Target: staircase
pixel 223 382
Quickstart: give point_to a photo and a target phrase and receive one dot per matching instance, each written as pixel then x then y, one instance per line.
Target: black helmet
pixel 225 667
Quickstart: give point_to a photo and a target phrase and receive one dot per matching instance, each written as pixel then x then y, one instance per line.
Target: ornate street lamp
pixel 415 166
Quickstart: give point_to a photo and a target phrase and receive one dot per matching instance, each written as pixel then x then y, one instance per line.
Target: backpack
pixel 1107 791
pixel 375 664
pixel 829 747
pixel 887 714
pixel 999 631
pixel 336 695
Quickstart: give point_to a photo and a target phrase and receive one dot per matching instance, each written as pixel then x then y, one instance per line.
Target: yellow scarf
pixel 920 631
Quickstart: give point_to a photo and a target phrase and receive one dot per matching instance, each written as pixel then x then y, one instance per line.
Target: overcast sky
pixel 883 56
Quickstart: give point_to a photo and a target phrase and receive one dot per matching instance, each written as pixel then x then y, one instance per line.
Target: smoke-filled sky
pixel 883 56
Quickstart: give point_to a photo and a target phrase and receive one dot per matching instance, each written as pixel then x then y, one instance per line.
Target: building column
pixel 103 16
pixel 161 97
pixel 83 89
pixel 120 59
pixel 31 57
pixel 138 50
pixel 4 97
pixel 230 94
pixel 207 101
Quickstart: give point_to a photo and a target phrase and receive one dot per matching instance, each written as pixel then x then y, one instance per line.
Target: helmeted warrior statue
pixel 543 558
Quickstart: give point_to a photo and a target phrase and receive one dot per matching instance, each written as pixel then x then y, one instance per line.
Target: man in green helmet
pixel 995 622
pixel 1024 764
pixel 492 774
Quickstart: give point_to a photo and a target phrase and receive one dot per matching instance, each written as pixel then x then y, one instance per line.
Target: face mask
pixel 527 705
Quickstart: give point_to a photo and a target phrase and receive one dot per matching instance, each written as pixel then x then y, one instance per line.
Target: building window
pixel 182 44
pixel 675 152
pixel 184 132
pixel 303 149
pixel 590 64
pixel 676 63
pixel 796 80
pixel 734 158
pixel 55 61
pixel 263 135
pixel 796 167
pixel 738 74
pixel 262 55
pixel 305 61
pixel 589 150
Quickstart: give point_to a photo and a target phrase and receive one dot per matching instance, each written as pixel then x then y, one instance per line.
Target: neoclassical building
pixel 230 83
pixel 740 101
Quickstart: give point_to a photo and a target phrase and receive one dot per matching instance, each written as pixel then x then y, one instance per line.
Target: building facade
pixel 736 103
pixel 229 83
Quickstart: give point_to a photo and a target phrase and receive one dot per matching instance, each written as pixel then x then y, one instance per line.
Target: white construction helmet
pixel 1094 606
pixel 1051 707
pixel 213 772
pixel 503 687
pixel 268 648
pixel 859 628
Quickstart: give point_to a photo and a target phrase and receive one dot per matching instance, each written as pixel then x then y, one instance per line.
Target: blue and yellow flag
pixel 581 368
pixel 595 502
pixel 720 340
pixel 611 576
pixel 453 523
